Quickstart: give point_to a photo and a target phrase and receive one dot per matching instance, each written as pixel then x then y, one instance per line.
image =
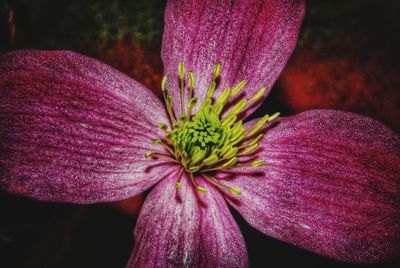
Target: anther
pixel 222 186
pixel 236 89
pixel 224 96
pixel 217 70
pixel 148 154
pixel 198 187
pixel 249 150
pixel 274 116
pixel 163 82
pixel 178 184
pixel 258 95
pixel 163 126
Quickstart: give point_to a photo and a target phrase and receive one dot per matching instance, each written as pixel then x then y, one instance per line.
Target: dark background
pixel 347 58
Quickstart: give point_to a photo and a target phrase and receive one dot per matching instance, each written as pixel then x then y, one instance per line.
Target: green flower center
pixel 213 138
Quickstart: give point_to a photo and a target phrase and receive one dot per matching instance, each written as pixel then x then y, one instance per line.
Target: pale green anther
pixel 176 125
pixel 258 95
pixel 206 102
pixel 169 100
pixel 178 185
pixel 237 140
pixel 163 126
pixel 254 141
pixel 182 118
pixel 194 169
pixel 168 135
pixel 230 163
pixel 211 89
pixel 211 160
pixel 258 163
pixel 193 102
pixel 239 106
pixel 237 129
pixel 201 189
pixel 236 89
pixel 164 82
pixel 235 191
pixel 223 136
pixel 217 70
pixel 224 96
pixel 229 120
pixel 148 154
pixel 231 153
pixel 225 149
pixel 258 126
pixel 263 120
pixel 274 116
pixel 198 156
pixel 249 149
pixel 184 155
pixel 217 109
pixel 156 141
pixel 191 80
pixel 181 69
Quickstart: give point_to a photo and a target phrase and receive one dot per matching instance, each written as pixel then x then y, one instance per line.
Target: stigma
pixel 212 138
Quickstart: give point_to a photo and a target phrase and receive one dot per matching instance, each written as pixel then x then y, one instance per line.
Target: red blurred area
pixel 134 59
pixel 368 86
pixel 130 207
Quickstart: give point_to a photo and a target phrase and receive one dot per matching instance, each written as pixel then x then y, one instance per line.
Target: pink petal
pixel 175 230
pixel 73 129
pixel 252 39
pixel 331 185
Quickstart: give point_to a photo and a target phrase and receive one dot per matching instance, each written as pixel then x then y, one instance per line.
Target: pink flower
pixel 75 130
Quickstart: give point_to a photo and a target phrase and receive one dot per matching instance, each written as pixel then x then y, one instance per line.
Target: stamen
pixel 259 137
pixel 228 164
pixel 249 150
pixel 158 141
pixel 162 156
pixel 192 103
pixel 224 96
pixel 168 103
pixel 198 187
pixel 191 85
pixel 236 89
pixel 238 107
pixel 178 184
pixel 217 70
pixel 222 186
pixel 258 126
pixel 258 95
pixel 274 116
pixel 211 89
pixel 229 120
pixel 163 83
pixel 182 83
pixel 258 163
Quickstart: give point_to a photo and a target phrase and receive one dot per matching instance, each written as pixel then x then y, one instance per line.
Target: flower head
pixel 76 130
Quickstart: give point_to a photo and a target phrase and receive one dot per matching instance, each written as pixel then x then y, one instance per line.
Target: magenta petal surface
pixel 252 39
pixel 74 129
pixel 174 229
pixel 331 185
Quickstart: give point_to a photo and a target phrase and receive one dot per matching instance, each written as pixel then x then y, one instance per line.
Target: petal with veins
pixel 73 129
pixel 331 185
pixel 251 39
pixel 174 229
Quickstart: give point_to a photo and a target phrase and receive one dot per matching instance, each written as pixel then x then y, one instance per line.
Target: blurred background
pixel 347 58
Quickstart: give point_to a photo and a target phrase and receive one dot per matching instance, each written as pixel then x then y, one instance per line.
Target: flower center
pixel 213 138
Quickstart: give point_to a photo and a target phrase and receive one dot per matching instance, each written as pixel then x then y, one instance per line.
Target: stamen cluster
pixel 213 138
